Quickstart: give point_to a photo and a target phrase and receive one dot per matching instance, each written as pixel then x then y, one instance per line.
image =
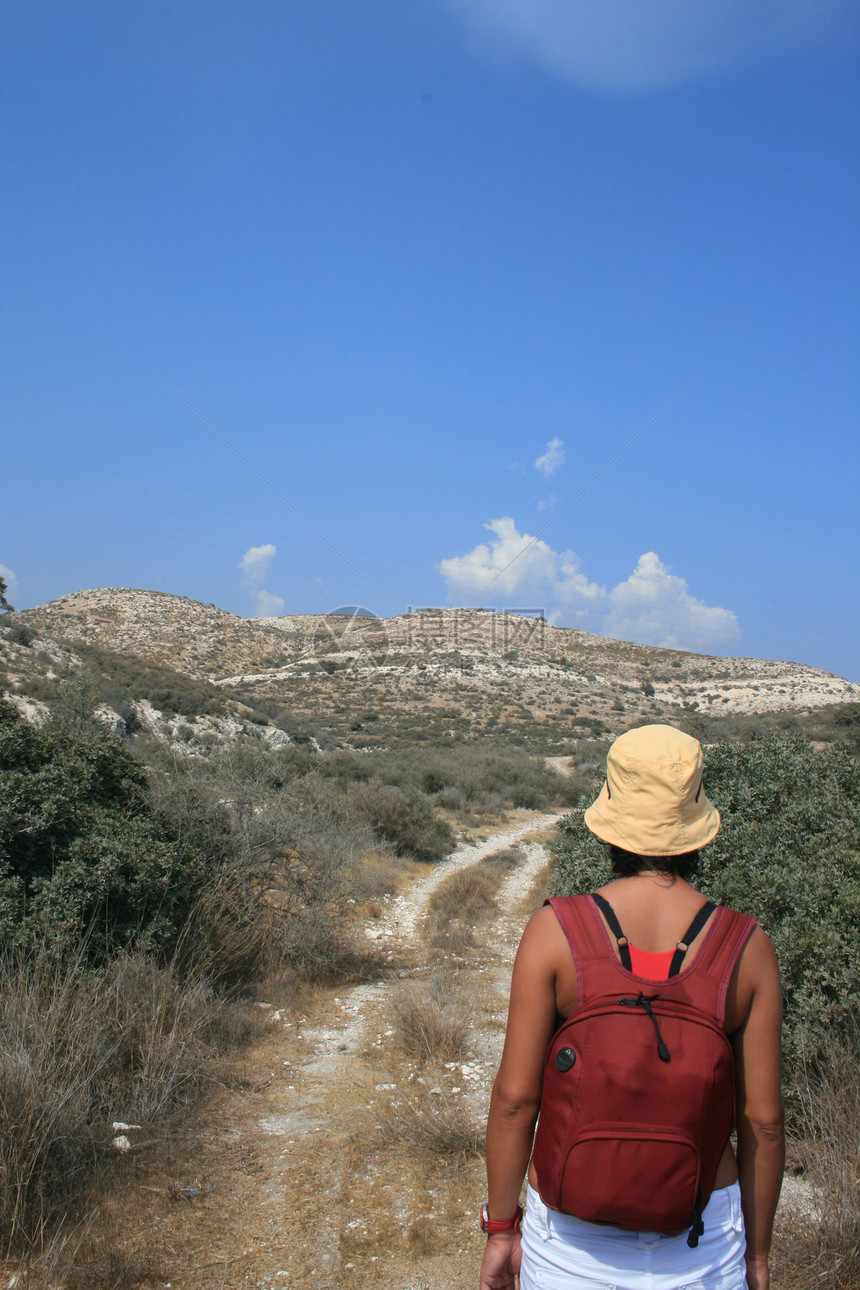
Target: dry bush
pixel 94 1256
pixel 167 1029
pixel 426 1023
pixel 282 900
pixel 81 1050
pixel 819 1246
pixel 54 1066
pixel 374 876
pixel 463 899
pixel 436 1125
pixel 505 861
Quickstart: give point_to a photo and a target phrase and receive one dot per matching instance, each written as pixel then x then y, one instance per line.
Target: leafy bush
pixel 19 633
pixel 402 817
pixel 787 852
pixel 464 774
pixel 80 851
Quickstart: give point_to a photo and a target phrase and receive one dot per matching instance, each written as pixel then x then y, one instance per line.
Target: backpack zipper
pixel 644 1001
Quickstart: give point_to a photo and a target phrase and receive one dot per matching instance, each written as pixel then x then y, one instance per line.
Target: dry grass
pixel 80 1051
pixel 426 1023
pixel 817 1245
pixel 467 897
pixel 505 861
pixel 423 1237
pixel 462 900
pixel 436 1125
pixel 376 875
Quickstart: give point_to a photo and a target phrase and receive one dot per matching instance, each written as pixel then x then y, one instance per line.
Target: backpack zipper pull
pixel 644 1001
pixel 698 1228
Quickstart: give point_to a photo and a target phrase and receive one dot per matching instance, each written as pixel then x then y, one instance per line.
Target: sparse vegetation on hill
pixel 434 677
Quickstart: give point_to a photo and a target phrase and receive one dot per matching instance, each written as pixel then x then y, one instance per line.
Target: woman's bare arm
pixel 761 1140
pixel 515 1099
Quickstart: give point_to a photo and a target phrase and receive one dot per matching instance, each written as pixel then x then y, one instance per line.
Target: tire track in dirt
pixel 361 1029
pixel 358 1036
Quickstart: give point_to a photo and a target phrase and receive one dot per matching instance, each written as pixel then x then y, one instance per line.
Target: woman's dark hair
pixel 626 864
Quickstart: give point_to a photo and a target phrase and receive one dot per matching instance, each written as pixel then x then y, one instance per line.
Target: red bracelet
pixel 493 1225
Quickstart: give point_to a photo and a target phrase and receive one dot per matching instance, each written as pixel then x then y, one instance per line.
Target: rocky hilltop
pixel 444 672
pixel 197 639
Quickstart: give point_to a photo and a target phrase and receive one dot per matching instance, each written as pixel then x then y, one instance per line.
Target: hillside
pixel 434 673
pixel 196 639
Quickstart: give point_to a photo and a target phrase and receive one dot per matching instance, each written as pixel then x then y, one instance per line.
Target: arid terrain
pixel 433 674
pixel 312 1173
pixel 340 1146
pixel 336 1156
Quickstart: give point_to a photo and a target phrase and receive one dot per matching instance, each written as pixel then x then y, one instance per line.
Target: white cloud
pixel 549 463
pixel 11 583
pixel 573 591
pixel 652 606
pixel 255 565
pixel 268 606
pixel 507 563
pixel 519 565
pixel 632 46
pixel 255 562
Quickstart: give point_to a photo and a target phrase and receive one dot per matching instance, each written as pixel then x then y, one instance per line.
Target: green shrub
pixel 19 633
pixel 481 777
pixel 81 853
pixel 403 817
pixel 118 679
pixel 787 852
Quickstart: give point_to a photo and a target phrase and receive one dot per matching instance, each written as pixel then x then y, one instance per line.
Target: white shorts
pixel 563 1253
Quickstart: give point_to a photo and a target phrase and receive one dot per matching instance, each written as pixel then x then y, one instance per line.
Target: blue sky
pixel 429 267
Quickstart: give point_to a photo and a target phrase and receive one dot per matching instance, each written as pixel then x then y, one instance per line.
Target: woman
pixel 653 813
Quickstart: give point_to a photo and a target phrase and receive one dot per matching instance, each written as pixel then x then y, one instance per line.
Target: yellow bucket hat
pixel 653 802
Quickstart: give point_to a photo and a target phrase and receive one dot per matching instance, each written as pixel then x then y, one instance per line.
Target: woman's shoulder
pixel 543 937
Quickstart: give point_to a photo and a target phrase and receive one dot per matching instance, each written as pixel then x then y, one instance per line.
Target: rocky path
pixel 298 1178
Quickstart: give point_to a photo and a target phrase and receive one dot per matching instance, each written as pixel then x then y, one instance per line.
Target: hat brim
pixel 650 838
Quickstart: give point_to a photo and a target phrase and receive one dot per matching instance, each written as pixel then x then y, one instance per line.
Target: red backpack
pixel 638 1093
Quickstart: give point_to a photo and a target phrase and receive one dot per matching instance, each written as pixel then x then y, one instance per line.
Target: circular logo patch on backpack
pixel 565 1059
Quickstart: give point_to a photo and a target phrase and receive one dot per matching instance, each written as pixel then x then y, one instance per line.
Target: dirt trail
pixel 289 1181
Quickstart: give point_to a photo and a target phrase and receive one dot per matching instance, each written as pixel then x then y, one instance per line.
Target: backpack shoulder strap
pixel 689 936
pixel 615 927
pixel 718 956
pixel 590 946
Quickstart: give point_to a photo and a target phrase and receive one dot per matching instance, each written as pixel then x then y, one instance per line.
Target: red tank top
pixel 653 966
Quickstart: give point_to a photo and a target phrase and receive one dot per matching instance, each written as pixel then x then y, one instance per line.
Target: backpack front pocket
pixel 644 1179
